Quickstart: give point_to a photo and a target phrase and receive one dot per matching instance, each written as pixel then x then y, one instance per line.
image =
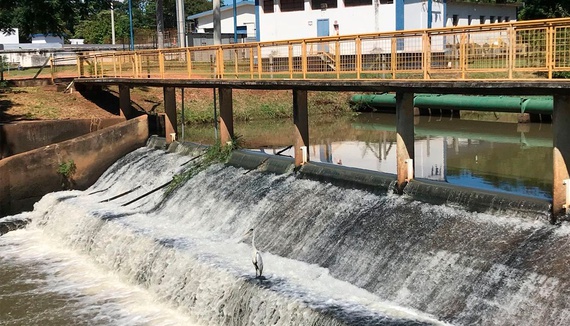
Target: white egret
pixel 255 254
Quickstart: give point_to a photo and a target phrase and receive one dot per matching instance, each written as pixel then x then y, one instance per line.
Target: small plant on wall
pixel 67 170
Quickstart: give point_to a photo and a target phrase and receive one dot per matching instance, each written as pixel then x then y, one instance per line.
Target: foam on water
pixel 332 256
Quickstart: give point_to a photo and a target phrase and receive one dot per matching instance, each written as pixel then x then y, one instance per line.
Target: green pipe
pixel 513 104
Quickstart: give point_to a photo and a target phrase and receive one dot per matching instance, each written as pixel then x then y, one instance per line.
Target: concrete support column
pixel 561 155
pixel 301 121
pixel 125 108
pixel 226 115
pixel 170 124
pixel 405 136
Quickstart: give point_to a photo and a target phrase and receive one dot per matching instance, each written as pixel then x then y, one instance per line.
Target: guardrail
pixel 538 49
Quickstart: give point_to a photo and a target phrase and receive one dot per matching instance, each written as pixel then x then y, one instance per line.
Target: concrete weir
pixel 438 193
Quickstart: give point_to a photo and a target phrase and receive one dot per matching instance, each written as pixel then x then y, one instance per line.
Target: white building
pixel 294 19
pixel 10 37
pixel 49 38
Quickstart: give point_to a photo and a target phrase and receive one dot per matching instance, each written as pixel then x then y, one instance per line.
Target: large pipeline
pixel 512 104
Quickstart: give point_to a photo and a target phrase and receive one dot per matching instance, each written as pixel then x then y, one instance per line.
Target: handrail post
pixel 96 68
pixel 358 45
pixel 337 58
pixel 463 54
pixel 220 56
pixel 236 68
pixel 161 63
pixel 259 62
pixel 426 42
pixel 290 50
pixel 512 50
pixel 80 65
pixel 52 67
pixel 393 56
pixel 114 65
pixel 251 65
pixel 550 50
pixel 304 58
pixel 189 62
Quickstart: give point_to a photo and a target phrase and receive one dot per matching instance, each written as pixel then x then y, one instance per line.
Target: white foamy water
pixel 144 264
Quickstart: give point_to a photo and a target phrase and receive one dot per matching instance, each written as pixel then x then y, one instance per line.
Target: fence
pixel 513 50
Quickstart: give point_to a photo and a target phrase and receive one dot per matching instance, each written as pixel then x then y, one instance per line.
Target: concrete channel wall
pixel 23 136
pixel 26 177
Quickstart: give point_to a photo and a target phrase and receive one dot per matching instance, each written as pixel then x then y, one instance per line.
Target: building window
pixel 292 5
pixel 492 19
pixel 268 6
pixel 469 20
pixel 354 3
pixel 481 20
pixel 455 20
pixel 386 2
pixel 323 4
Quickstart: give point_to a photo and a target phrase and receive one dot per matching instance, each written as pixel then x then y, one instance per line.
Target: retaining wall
pixel 26 177
pixel 23 136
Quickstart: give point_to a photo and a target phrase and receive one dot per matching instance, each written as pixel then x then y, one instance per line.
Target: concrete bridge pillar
pixel 226 115
pixel 125 108
pixel 301 121
pixel 561 155
pixel 170 123
pixel 405 137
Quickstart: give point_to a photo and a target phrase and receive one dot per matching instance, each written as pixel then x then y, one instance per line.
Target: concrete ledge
pixel 26 177
pixel 440 193
pixel 261 161
pixel 373 181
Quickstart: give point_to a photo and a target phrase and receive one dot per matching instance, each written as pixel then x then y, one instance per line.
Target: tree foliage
pixel 39 16
pixel 541 9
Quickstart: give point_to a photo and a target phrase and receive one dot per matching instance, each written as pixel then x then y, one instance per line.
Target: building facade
pixel 295 19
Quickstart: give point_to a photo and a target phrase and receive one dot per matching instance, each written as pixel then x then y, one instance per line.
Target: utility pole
pixel 160 23
pixel 217 22
pixel 112 22
pixel 181 23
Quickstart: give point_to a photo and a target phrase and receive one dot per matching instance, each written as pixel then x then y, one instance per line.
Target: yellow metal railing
pixel 515 50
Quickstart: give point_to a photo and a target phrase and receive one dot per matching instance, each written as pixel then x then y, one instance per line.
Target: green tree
pixel 541 9
pixel 97 30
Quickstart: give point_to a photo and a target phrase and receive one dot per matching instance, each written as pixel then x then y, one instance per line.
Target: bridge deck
pixel 472 87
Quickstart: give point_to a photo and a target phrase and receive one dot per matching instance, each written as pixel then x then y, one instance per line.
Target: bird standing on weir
pixel 255 254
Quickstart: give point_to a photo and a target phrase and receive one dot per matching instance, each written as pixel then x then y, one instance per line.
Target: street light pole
pixel 131 24
pixel 113 22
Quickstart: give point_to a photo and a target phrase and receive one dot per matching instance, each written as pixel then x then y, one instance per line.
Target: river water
pixel 497 156
pixel 80 260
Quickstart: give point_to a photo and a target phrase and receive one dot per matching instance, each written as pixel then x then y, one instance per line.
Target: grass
pixel 216 153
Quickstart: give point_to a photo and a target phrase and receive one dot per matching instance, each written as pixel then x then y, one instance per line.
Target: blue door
pixel 323 30
pixel 323 27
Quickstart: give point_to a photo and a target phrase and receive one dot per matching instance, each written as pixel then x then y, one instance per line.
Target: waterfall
pixel 332 256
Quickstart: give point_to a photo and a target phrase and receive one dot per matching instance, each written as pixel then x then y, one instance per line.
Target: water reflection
pixel 509 157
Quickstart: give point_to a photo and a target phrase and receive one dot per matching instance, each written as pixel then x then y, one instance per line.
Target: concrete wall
pixel 23 136
pixel 26 177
